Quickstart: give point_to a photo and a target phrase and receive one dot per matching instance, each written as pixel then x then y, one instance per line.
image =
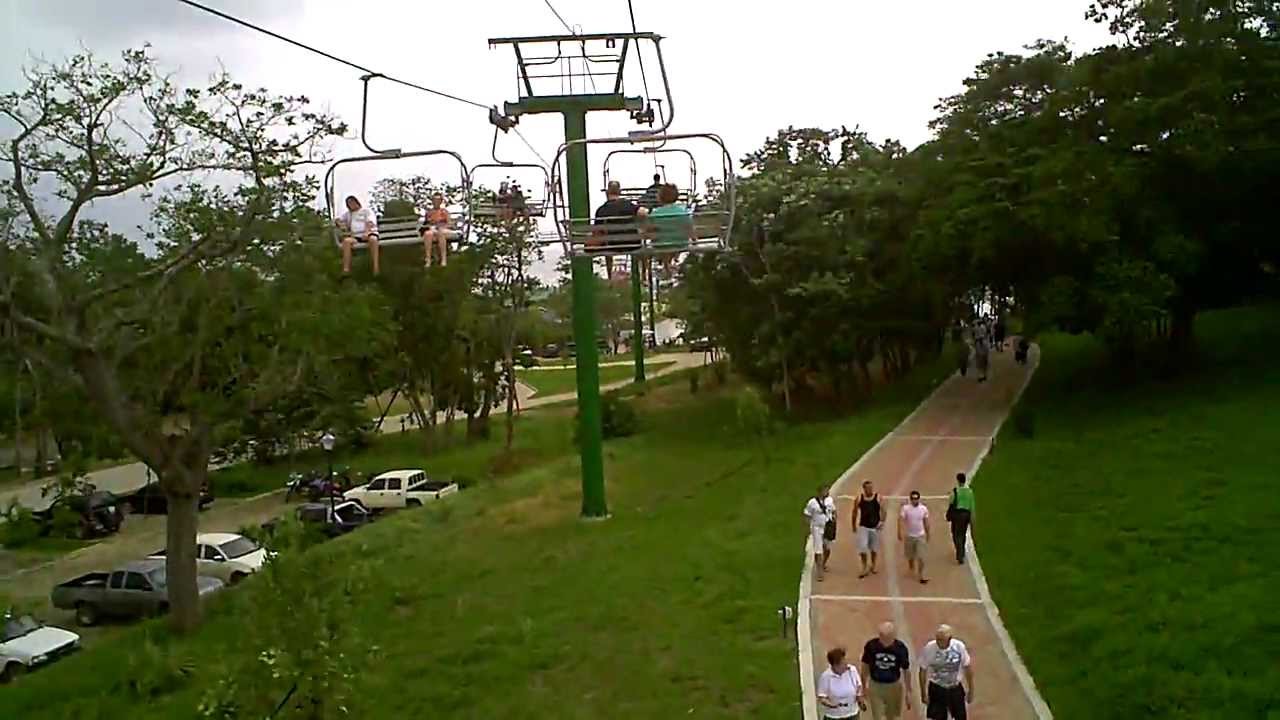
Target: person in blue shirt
pixel 672 224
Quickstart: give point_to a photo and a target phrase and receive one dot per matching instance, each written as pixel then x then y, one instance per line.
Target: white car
pixel 26 644
pixel 399 489
pixel 226 556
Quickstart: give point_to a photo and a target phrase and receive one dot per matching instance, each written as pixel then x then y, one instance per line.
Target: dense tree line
pixel 1117 192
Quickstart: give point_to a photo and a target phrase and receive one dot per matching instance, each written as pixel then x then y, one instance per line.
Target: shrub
pixel 755 419
pixel 617 419
pixel 720 369
pixel 19 527
pixel 694 378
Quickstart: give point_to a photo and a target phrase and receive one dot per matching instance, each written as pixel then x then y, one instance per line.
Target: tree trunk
pixel 182 489
pixel 510 373
pixel 786 384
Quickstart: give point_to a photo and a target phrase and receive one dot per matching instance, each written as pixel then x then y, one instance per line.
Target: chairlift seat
pixel 394 231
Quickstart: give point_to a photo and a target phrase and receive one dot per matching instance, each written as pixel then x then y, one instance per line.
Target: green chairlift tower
pixel 574 75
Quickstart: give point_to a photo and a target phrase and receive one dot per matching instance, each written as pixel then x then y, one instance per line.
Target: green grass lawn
pixel 540 435
pixel 1131 543
pixel 556 382
pixel 501 602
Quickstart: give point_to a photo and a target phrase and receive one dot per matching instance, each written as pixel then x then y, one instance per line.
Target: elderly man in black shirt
pixel 885 664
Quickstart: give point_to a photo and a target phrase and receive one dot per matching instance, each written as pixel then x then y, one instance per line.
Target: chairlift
pixel 402 228
pixel 512 199
pixel 710 220
pixel 640 195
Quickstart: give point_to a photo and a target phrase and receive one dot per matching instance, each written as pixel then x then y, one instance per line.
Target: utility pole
pixel 637 319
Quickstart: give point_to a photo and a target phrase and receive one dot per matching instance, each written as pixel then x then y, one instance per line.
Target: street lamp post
pixel 327 441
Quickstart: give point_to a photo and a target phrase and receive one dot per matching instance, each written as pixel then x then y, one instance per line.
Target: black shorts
pixel 944 700
pixel 360 239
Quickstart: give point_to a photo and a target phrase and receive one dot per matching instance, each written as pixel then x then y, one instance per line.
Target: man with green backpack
pixel 960 514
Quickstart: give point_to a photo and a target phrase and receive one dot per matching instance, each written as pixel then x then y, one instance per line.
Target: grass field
pixel 1130 543
pixel 556 382
pixel 502 603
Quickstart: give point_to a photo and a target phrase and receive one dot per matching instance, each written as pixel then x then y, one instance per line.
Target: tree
pixel 169 347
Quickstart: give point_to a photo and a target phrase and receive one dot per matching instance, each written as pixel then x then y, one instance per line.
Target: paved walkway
pixel 125 479
pixel 950 432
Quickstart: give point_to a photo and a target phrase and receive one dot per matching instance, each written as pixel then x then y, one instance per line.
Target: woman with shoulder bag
pixel 840 693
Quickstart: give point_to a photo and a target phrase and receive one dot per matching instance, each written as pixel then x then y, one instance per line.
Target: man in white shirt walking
pixel 942 662
pixel 359 226
pixel 913 532
pixel 821 511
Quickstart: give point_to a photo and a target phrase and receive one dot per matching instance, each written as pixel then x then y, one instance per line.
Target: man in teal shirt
pixel 960 514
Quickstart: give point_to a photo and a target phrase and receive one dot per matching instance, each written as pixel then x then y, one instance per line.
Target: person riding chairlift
pixel 435 230
pixel 672 223
pixel 650 200
pixel 359 226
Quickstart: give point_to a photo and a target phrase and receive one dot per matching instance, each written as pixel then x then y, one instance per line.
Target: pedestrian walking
pixel 1020 355
pixel 981 356
pixel 960 514
pixel 869 522
pixel 886 676
pixel 998 331
pixel 821 513
pixel 962 357
pixel 840 688
pixel 913 533
pixel 942 662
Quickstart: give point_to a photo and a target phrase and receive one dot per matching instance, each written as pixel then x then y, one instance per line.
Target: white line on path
pixel 969 438
pixel 804 640
pixel 975 568
pixel 891 598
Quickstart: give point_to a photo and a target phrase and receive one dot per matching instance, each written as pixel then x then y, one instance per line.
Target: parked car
pixel 134 590
pixel 400 488
pixel 702 344
pixel 551 351
pixel 100 513
pixel 526 359
pixel 226 556
pixel 337 519
pixel 26 643
pixel 150 500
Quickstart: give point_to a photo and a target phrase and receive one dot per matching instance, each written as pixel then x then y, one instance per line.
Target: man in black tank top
pixel 868 521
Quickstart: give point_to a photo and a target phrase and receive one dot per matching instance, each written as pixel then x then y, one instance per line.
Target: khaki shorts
pixel 868 540
pixel 915 547
pixel 885 700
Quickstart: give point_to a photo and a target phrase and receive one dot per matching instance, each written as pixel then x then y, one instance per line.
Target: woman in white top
pixel 820 510
pixel 359 226
pixel 840 692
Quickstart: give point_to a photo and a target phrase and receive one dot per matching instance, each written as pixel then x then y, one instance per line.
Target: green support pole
pixel 637 319
pixel 590 439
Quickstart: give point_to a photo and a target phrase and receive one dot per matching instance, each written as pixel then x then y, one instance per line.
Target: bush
pixel 694 378
pixel 720 369
pixel 1024 421
pixel 755 418
pixel 19 528
pixel 617 419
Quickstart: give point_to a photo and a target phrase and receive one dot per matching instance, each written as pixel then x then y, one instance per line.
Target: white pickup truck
pixel 400 489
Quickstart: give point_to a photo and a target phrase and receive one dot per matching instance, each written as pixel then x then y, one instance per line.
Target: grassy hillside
pixel 503 603
pixel 1130 543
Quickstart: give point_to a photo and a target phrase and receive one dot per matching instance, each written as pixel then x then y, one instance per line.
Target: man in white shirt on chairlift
pixel 359 226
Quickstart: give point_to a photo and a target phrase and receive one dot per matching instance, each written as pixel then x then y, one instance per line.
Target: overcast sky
pixel 739 69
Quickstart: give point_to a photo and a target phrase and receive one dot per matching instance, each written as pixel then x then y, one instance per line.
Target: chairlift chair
pixel 404 229
pixel 711 221
pixel 637 194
